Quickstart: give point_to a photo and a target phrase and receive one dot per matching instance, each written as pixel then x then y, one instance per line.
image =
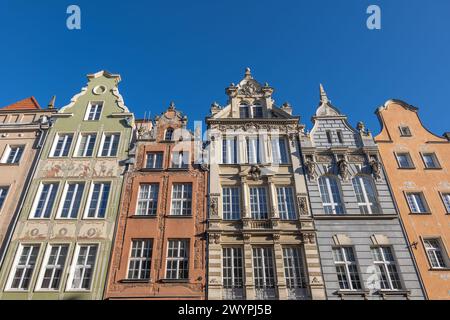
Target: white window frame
pixel 172 130
pixel 446 200
pixel 73 267
pixel 15 265
pixel 434 251
pixel 102 143
pixel 37 197
pixel 366 203
pixel 295 272
pixel 154 162
pixel 234 291
pixel 254 147
pixel 232 204
pixel 45 262
pixel 346 263
pixel 148 201
pixel 436 164
pixel 283 197
pixel 77 146
pixel 141 259
pixel 268 289
pixel 230 150
pixel 89 108
pixel 333 204
pixel 63 199
pixel 183 201
pixel 4 190
pixel 278 153
pixel 64 145
pixel 412 197
pixel 384 263
pixel 178 259
pixel 89 199
pixel 183 159
pixel 7 153
pixel 408 158
pixel 259 214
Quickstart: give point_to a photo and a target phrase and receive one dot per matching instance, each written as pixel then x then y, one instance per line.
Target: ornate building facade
pixel 23 127
pixel 61 246
pixel 261 237
pixel 417 163
pixel 160 246
pixel 363 250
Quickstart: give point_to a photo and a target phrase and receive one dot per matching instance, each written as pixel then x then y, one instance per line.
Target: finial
pixel 323 95
pixel 51 104
pixel 172 105
pixel 248 73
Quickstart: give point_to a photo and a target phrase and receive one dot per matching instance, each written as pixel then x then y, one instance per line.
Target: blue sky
pixel 189 51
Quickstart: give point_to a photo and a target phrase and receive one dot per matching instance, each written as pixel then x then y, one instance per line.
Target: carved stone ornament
pixel 276 236
pixel 311 169
pixel 343 169
pixel 376 169
pixel 204 166
pixel 249 89
pixel 302 205
pixel 255 173
pixel 214 238
pixel 214 206
pixel 308 238
pixel 324 158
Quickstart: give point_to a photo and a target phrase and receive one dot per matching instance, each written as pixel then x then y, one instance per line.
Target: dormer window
pixel 329 136
pixel 257 111
pixel 169 134
pixel 244 111
pixel 405 131
pixel 340 136
pixel 94 111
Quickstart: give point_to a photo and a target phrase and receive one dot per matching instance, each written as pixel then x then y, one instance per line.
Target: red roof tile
pixel 29 103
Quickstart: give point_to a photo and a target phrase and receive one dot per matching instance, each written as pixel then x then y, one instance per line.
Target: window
pixel 86 144
pixel 366 195
pixel 53 267
pixel 329 136
pixel 23 268
pixel 404 161
pixel 98 200
pixel 434 252
pixel 233 273
pixel 82 271
pixel 253 150
pixel 140 259
pixel 264 273
pixel 231 203
pixel 386 268
pixel 294 272
pixel 330 194
pixel 257 111
pixel 169 134
pixel 147 199
pixel 258 203
pixel 430 161
pixel 180 159
pixel 340 136
pixel 416 202
pixel 110 144
pixel 286 206
pixel 13 154
pixel 181 199
pixel 346 268
pixel 229 150
pixel 154 160
pixel 445 198
pixel 71 200
pixel 279 151
pixel 3 193
pixel 177 259
pixel 61 145
pixel 405 131
pixel 244 111
pixel 94 110
pixel 45 199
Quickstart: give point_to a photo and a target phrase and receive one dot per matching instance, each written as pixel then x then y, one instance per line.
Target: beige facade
pixel 262 241
pixel 23 126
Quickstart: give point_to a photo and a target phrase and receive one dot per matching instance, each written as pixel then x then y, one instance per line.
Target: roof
pixel 29 103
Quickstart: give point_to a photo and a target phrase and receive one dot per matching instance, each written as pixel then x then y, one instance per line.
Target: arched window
pixel 365 194
pixel 330 194
pixel 169 134
pixel 244 111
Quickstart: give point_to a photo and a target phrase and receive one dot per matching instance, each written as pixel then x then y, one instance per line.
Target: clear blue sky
pixel 189 51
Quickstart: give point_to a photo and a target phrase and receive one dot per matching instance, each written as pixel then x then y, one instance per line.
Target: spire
pixel 323 95
pixel 325 107
pixel 248 73
pixel 172 105
pixel 51 104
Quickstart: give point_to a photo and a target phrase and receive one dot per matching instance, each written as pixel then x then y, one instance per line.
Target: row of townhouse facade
pixel 98 205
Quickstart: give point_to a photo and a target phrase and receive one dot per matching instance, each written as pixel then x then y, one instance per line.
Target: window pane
pixel 3 193
pixel 258 203
pixel 233 275
pixel 154 160
pixel 54 267
pixel 148 199
pixel 99 200
pixel 177 259
pixel 85 263
pixel 286 207
pixel 46 199
pixel 231 203
pixel 72 201
pixel 140 259
pixel 181 199
pixel 23 271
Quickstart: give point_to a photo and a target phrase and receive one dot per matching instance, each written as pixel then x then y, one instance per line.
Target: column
pixel 249 285
pixel 279 265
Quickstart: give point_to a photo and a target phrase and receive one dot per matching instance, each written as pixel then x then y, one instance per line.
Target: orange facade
pixel 167 229
pixel 417 163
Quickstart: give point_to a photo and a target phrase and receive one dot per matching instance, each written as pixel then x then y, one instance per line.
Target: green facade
pixel 79 217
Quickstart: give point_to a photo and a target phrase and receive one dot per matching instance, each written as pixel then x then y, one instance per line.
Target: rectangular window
pixel 258 203
pixel 286 207
pixel 148 199
pixel 340 136
pixel 45 199
pixel 71 200
pixel 177 259
pixel 53 267
pixel 180 159
pixel 13 154
pixel 416 202
pixel 110 144
pixel 346 268
pixel 86 144
pixel 233 273
pixel 435 255
pixel 181 199
pixel 3 193
pixel 445 198
pixel 366 195
pixel 140 259
pixel 231 203
pixel 279 151
pixel 430 161
pixel 404 160
pixel 229 150
pixel 82 271
pixel 257 111
pixel 61 145
pixel 329 136
pixel 94 110
pixel 253 150
pixel 154 160
pixel 294 271
pixel 405 131
pixel 244 111
pixel 23 268
pixel 98 200
pixel 386 268
pixel 264 273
